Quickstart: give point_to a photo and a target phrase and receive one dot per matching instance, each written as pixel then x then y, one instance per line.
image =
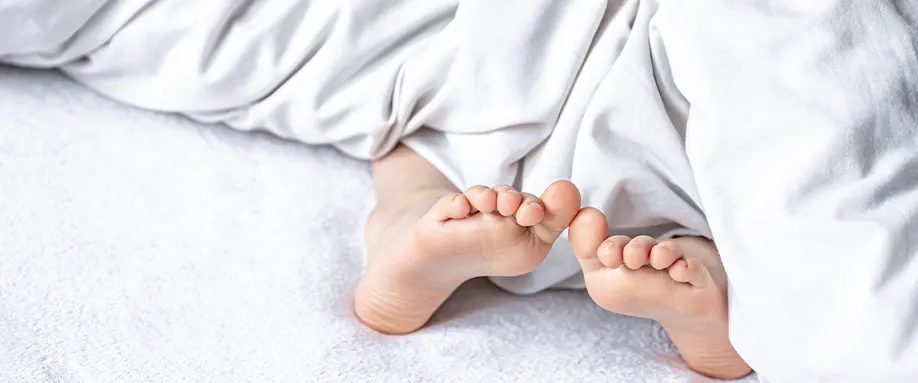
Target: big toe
pixel 587 232
pixel 562 202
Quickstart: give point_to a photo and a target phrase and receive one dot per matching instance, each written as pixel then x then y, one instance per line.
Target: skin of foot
pixel 424 239
pixel 680 283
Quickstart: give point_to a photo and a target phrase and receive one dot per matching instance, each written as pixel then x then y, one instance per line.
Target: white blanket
pixel 138 247
pixel 790 124
pixel 521 92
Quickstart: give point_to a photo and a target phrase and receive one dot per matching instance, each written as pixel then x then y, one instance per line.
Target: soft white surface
pixel 790 123
pixel 139 247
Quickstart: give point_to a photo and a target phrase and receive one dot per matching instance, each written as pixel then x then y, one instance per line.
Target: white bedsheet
pixel 140 247
pixel 791 124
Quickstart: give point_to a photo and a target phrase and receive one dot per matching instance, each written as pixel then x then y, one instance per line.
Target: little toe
pixel 690 271
pixel 561 201
pixel 664 254
pixel 452 206
pixel 610 251
pixel 482 198
pixel 587 232
pixel 637 252
pixel 530 211
pixel 508 200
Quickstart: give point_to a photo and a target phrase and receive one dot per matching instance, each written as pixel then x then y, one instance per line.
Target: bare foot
pixel 679 283
pixel 423 247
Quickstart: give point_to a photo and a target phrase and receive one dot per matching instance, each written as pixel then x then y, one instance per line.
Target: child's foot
pixel 423 247
pixel 679 283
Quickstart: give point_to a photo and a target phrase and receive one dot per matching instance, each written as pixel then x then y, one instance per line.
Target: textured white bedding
pixel 140 247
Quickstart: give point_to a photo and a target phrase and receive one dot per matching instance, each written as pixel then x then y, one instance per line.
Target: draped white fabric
pixel 791 125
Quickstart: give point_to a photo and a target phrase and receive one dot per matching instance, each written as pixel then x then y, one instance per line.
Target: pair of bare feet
pixel 426 244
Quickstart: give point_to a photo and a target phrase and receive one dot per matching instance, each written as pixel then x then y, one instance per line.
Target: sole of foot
pixel 420 249
pixel 680 283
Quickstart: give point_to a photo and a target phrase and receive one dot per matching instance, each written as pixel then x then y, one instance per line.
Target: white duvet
pixel 786 130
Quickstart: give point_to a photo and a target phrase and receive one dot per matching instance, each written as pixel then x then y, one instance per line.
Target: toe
pixel 610 251
pixel 690 271
pixel 530 211
pixel 587 232
pixel 637 252
pixel 508 200
pixel 664 254
pixel 561 202
pixel 452 206
pixel 482 198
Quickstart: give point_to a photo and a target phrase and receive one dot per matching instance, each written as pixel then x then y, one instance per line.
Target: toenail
pixel 535 204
